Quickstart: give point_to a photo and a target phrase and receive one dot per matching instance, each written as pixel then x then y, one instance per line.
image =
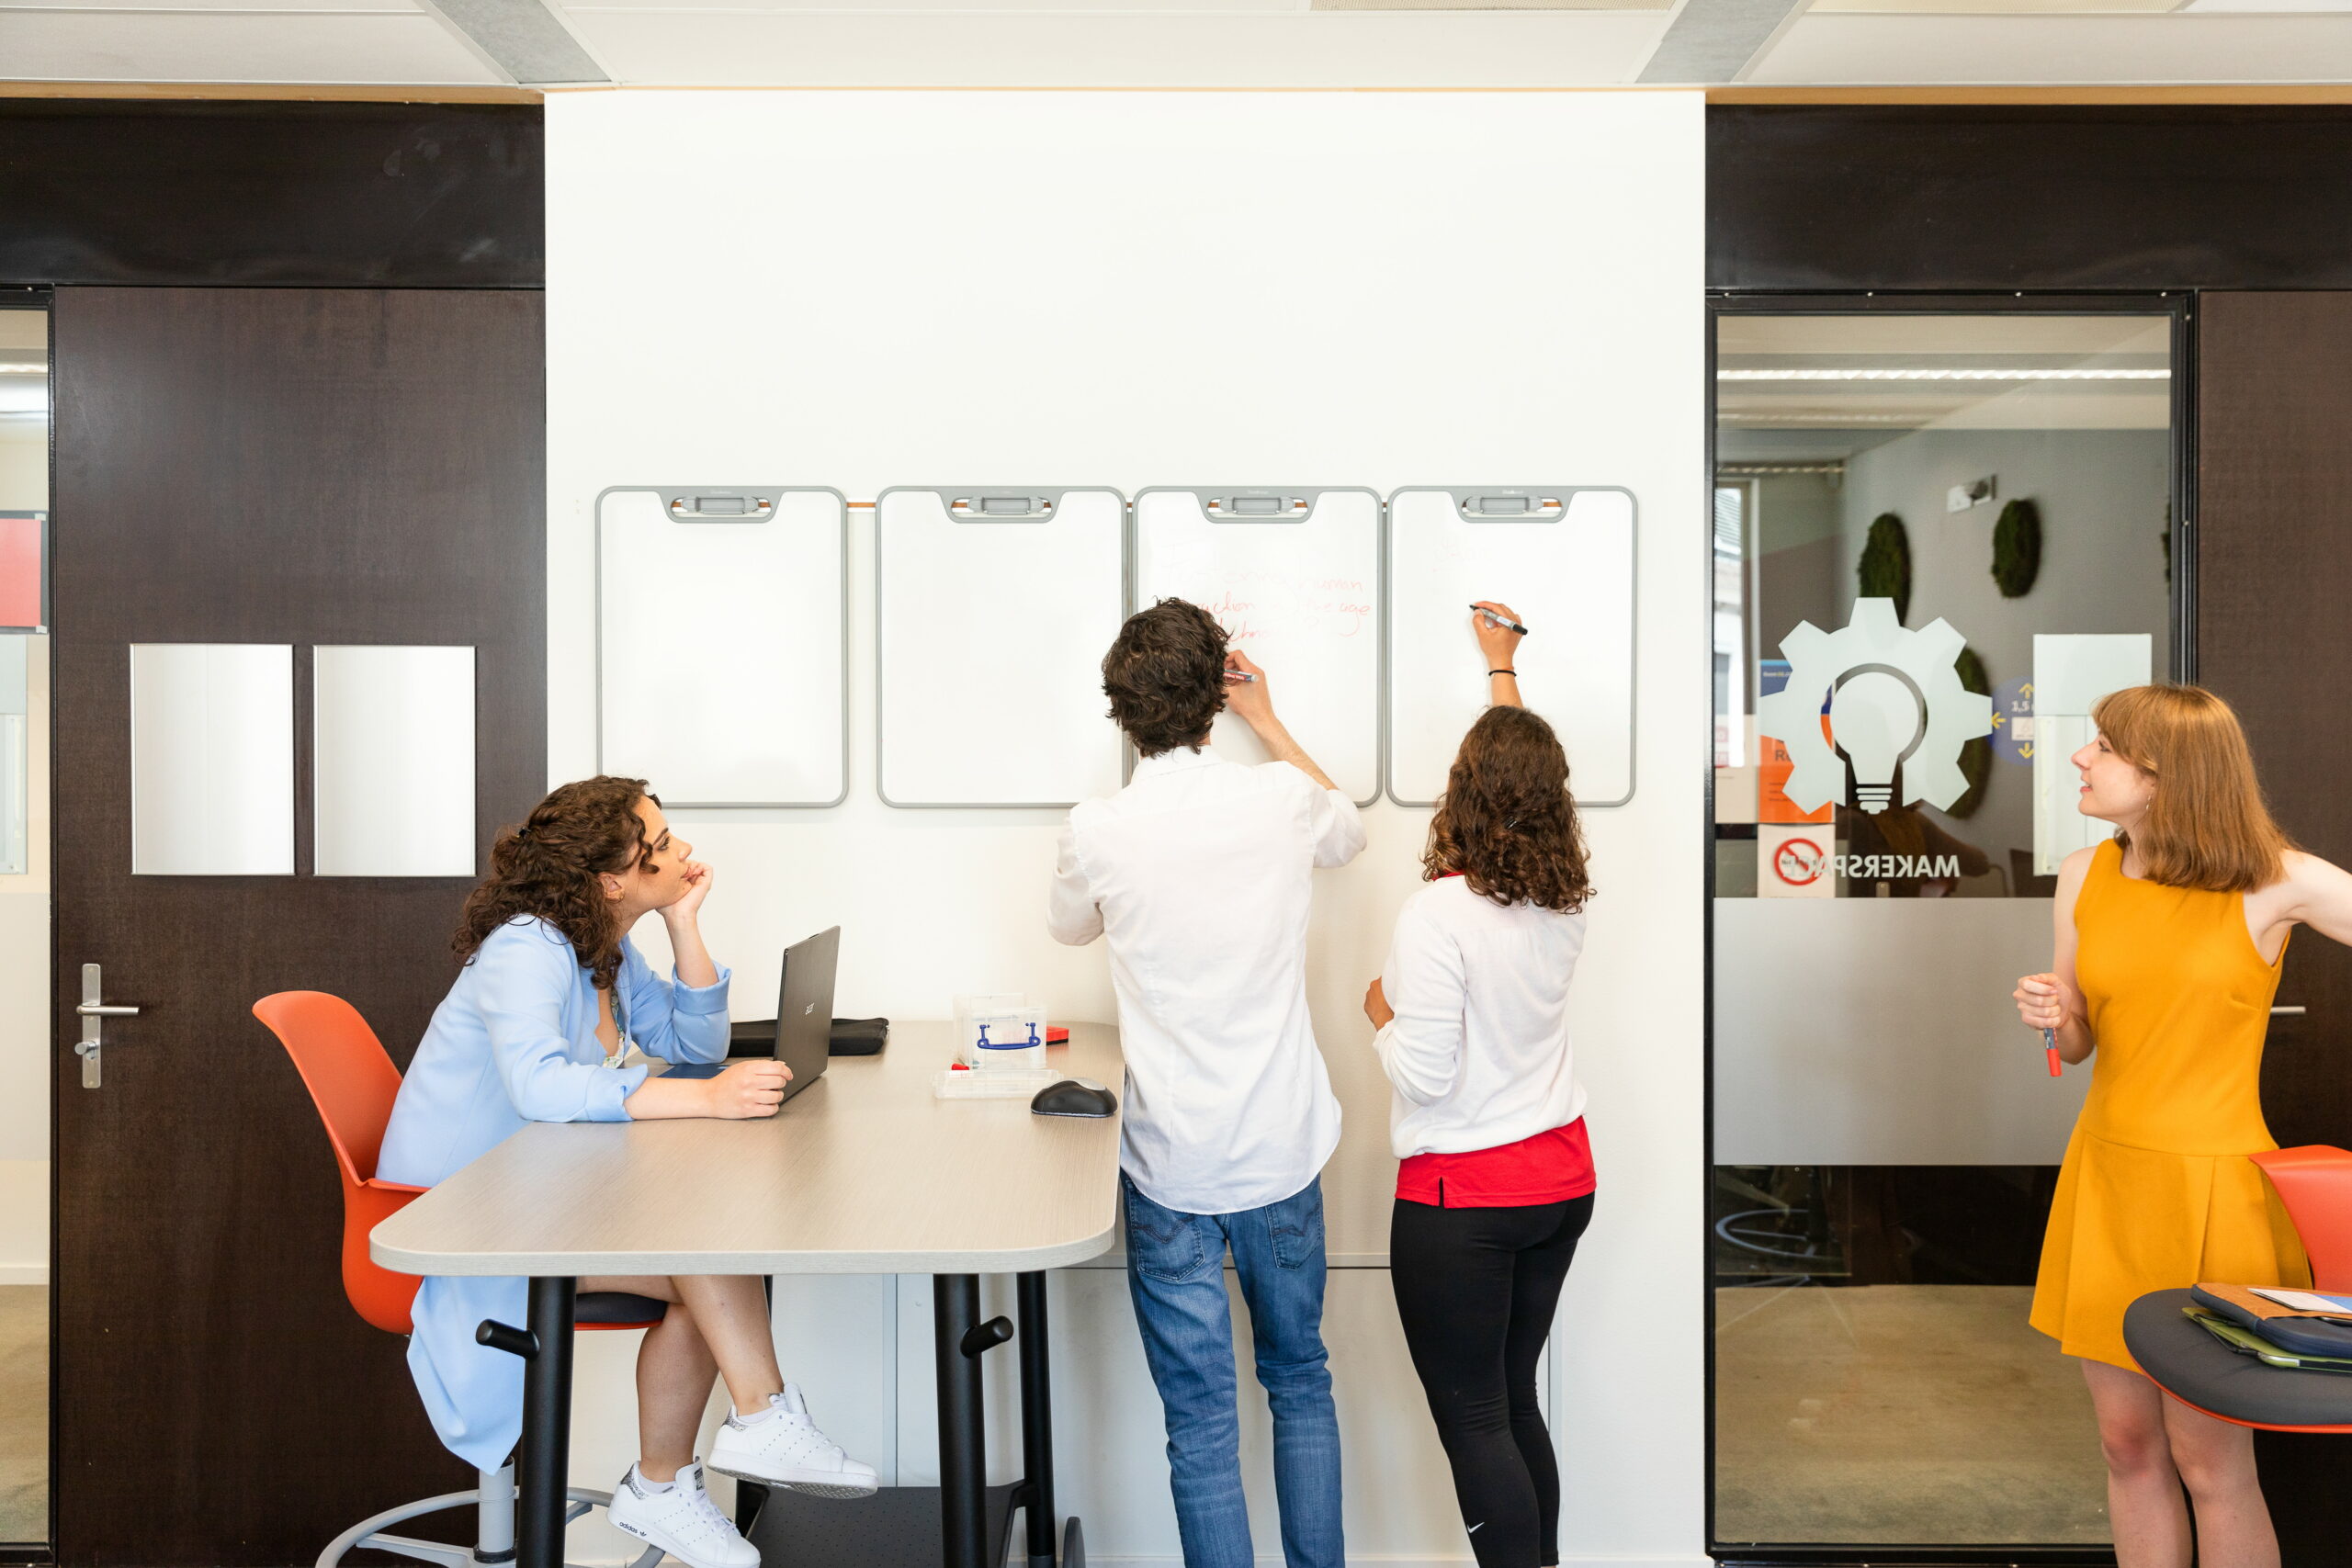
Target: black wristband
pixel 1512 673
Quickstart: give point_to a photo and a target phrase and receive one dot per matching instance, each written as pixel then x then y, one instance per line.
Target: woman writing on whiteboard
pixel 2169 941
pixel 1495 1184
pixel 537 1027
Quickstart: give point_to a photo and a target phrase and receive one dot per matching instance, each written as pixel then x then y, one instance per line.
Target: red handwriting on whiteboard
pixel 1255 604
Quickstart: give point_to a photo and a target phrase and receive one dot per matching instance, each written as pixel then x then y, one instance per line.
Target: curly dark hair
pixel 549 867
pixel 1507 822
pixel 1165 676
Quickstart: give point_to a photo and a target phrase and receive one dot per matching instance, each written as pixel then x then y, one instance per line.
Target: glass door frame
pixel 2180 306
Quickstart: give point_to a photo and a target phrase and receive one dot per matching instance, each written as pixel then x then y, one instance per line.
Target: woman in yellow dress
pixel 2169 942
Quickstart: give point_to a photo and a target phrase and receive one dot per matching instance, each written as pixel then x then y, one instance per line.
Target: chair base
pixel 493 1502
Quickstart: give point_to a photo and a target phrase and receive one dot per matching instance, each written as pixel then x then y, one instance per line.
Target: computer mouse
pixel 1074 1096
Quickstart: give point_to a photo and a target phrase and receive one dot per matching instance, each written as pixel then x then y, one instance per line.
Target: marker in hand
pixel 2050 1049
pixel 1495 620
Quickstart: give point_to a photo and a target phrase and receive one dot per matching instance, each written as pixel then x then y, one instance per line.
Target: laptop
pixel 804 1014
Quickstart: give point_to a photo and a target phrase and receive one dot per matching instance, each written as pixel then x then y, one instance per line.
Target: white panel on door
pixel 392 761
pixel 212 759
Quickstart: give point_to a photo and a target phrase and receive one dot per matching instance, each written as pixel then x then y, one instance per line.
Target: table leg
pixel 963 1438
pixel 1036 1420
pixel 544 1461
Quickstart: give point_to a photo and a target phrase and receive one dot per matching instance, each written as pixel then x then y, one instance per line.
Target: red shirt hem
pixel 1553 1167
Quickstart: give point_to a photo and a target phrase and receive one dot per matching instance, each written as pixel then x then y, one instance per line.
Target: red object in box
pixel 20 570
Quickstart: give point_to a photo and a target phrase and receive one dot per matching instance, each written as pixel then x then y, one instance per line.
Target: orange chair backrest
pixel 352 1082
pixel 2314 1182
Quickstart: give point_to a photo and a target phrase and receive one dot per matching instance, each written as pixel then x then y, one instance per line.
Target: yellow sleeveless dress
pixel 2156 1191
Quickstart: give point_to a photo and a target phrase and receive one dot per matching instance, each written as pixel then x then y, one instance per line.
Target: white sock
pixel 753 1418
pixel 648 1485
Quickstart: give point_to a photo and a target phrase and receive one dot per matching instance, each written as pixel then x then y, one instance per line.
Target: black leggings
pixel 1476 1289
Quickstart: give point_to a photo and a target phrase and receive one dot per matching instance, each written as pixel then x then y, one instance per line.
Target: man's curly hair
pixel 1165 676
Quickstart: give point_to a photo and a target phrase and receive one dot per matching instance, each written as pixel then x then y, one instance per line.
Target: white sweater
pixel 1478 1053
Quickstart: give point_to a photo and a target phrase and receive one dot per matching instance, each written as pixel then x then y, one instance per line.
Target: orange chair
pixel 352 1082
pixel 2314 1185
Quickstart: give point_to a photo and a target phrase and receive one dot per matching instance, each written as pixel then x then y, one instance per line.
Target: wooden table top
pixel 864 1172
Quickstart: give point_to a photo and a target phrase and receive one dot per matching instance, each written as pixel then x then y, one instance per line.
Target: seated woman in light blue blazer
pixel 552 997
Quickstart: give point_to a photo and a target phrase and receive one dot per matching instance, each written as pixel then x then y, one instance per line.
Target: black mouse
pixel 1074 1096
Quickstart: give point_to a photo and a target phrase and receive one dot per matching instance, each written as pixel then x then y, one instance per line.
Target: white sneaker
pixel 682 1521
pixel 785 1448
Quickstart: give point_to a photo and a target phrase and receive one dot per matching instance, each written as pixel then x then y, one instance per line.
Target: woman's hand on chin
pixel 687 906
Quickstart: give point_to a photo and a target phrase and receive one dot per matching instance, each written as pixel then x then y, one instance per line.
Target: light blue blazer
pixel 515 1041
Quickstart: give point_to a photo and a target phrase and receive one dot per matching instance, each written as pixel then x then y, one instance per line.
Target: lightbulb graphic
pixel 1875 718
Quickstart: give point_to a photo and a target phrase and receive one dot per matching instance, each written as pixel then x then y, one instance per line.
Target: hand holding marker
pixel 1496 619
pixel 2038 999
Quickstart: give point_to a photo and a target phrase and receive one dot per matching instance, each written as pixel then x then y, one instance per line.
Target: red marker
pixel 2050 1049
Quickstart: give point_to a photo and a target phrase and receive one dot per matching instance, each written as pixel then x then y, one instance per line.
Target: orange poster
pixel 1772 802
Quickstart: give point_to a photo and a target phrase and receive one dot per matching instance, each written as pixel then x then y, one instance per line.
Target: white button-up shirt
pixel 1479 1052
pixel 1200 872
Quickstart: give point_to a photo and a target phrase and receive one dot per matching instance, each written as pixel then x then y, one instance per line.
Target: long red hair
pixel 2207 826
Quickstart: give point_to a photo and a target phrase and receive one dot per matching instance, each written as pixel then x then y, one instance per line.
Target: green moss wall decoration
pixel 1885 565
pixel 2017 548
pixel 1976 755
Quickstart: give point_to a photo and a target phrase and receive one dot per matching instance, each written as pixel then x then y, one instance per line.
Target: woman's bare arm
pixel 2053 999
pixel 2313 893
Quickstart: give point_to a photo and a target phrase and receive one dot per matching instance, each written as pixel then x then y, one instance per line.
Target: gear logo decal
pixel 1897 702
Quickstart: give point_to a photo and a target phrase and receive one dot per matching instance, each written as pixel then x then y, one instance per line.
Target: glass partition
pixel 1939 539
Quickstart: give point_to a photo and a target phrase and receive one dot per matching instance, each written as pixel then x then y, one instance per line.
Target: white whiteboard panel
pixel 990 628
pixel 1568 570
pixel 720 652
pixel 1298 588
pixel 212 759
pixel 392 761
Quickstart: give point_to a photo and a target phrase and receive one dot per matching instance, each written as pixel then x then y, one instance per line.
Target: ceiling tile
pixel 192 46
pixel 389 8
pixel 1010 50
pixel 1832 50
pixel 906 11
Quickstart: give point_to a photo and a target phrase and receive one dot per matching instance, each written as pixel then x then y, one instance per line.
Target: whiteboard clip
pixel 705 506
pixel 1003 508
pixel 1260 506
pixel 1526 506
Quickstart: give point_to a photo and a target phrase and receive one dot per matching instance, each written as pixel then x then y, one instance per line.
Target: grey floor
pixel 1899 1414
pixel 24 1412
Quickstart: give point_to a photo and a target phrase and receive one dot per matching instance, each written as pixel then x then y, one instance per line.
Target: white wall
pixel 863 289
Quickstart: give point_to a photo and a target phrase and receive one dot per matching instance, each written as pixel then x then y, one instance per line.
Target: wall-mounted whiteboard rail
pixel 721 643
pixel 1293 574
pixel 1560 555
pixel 993 607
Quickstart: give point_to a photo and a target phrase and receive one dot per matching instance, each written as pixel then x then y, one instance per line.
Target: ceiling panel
pixel 392 7
pixel 1997 7
pixel 1351 50
pixel 1825 50
pixel 190 46
pixel 907 11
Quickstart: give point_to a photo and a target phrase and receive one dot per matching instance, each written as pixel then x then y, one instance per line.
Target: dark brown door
pixel 278 466
pixel 2274 636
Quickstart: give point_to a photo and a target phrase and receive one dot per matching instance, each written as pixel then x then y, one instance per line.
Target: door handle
pixel 93 1011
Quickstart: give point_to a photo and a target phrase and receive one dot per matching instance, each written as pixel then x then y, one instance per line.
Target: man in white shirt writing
pixel 1199 872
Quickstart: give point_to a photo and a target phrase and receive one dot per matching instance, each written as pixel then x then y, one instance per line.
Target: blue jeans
pixel 1176 1274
